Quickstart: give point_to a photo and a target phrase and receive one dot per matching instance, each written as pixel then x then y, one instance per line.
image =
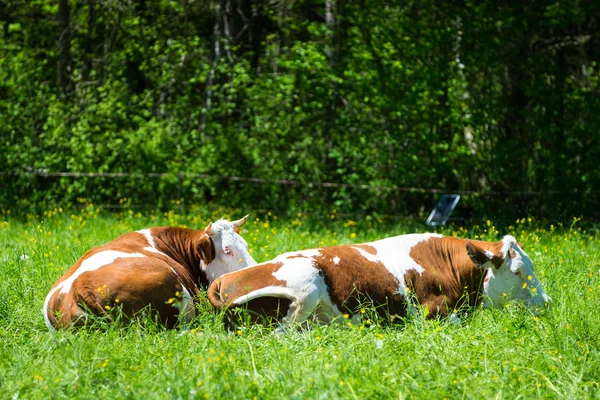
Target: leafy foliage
pixel 466 96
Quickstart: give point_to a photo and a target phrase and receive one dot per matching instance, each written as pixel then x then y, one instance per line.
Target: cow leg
pixel 64 310
pixel 327 311
pixel 299 311
pixel 187 308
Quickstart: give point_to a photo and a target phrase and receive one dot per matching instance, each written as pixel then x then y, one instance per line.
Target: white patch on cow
pixel 304 283
pixel 336 260
pixel 367 255
pixel 309 253
pixel 394 254
pixel 148 235
pixel 296 269
pixel 154 250
pixel 307 285
pixel 92 263
pixel 280 292
pixel 231 251
pixel 96 261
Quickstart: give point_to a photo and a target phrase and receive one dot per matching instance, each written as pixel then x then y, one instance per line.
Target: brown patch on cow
pixel 367 248
pixel 225 289
pixel 355 280
pixel 132 242
pixel 452 275
pixel 137 282
pixel 185 246
pixel 512 253
pixel 128 285
pixel 295 256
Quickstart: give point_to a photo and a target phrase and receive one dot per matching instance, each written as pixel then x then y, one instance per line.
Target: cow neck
pixel 449 268
pixel 468 275
pixel 182 245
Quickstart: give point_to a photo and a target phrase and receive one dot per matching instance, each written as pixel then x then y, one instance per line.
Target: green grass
pixel 491 354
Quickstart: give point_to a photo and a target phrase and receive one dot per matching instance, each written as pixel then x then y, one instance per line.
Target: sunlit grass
pixel 492 353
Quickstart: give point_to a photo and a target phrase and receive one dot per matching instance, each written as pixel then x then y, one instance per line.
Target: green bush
pixel 501 100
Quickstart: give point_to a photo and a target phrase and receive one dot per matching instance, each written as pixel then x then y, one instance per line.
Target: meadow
pixel 507 353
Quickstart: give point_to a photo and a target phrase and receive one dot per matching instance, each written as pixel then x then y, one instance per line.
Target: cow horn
pixel 239 222
pixel 208 230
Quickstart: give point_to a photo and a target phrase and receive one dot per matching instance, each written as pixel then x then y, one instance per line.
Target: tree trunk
pixel 64 62
pixel 211 74
pixel 91 20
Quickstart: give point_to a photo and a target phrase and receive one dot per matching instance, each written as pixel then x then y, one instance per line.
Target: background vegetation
pixel 501 99
pixel 491 354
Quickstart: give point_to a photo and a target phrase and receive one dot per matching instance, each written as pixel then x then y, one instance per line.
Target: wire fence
pixel 181 177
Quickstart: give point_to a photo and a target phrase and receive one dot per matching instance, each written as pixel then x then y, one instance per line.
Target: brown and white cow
pixel 441 273
pixel 160 268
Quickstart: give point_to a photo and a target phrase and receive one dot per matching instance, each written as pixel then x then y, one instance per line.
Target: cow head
pixel 230 249
pixel 509 275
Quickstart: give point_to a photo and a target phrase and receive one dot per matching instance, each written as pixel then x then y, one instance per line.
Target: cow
pixel 161 269
pixel 442 274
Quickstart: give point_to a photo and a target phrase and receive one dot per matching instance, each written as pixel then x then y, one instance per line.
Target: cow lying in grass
pixel 157 268
pixel 441 273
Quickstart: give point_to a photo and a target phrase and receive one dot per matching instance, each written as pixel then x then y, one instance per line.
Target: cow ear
pixel 207 250
pixel 208 230
pixel 520 245
pixel 481 257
